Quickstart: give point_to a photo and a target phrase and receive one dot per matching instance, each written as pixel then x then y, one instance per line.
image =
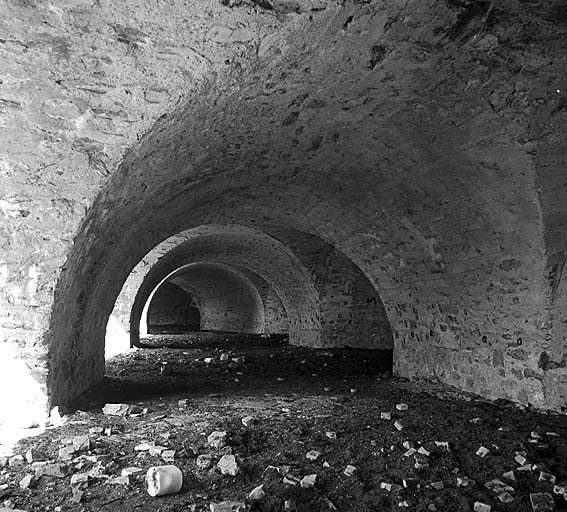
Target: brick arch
pixel 227 300
pixel 237 247
pixel 172 309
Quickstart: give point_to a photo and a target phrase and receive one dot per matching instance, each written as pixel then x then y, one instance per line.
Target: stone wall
pixel 171 306
pixel 226 298
pixel 422 140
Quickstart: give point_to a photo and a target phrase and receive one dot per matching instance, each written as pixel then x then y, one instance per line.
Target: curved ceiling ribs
pixel 387 151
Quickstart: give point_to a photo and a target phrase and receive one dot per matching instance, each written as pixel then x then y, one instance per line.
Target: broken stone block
pixel 520 459
pixel 144 447
pixel 385 415
pixel 26 482
pixel 118 480
pixel 227 465
pixel 116 409
pixel 424 451
pixel 402 407
pixel 228 506
pixel 81 443
pixel 390 487
pixel 217 439
pixel 465 482
pixel 525 467
pixel 506 497
pixel 398 425
pixel 407 444
pixel 560 489
pixel 421 463
pixel 204 462
pixel 509 475
pixel 331 435
pixel 33 455
pixel 308 481
pixel 349 470
pixel 481 507
pixel 17 461
pixel 443 444
pixel 80 480
pixel 131 471
pixel 542 502
pixel 483 452
pixel 66 452
pixel 410 452
pixel 57 470
pixel 326 464
pixel 168 455
pixel 547 477
pixel 290 479
pixel 498 486
pixel 156 451
pixel 77 495
pixel 312 455
pixel 257 493
pixel 438 486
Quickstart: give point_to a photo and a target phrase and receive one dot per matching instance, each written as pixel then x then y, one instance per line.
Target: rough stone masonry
pixel 420 143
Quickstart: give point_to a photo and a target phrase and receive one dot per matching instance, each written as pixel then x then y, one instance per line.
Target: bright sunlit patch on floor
pixel 23 403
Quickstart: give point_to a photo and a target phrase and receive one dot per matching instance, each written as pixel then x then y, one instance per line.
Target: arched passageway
pixel 388 132
pixel 172 309
pixel 304 280
pixel 225 299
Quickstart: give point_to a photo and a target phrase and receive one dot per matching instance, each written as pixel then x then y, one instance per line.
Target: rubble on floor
pixel 192 438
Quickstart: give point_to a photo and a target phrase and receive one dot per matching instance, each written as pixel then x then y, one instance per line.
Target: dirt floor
pixel 288 413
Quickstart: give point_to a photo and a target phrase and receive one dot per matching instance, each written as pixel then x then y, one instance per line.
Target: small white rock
pixel 312 455
pixel 308 481
pixel 257 493
pixel 349 470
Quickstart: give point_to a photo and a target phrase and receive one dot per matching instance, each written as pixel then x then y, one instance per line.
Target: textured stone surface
pixel 422 140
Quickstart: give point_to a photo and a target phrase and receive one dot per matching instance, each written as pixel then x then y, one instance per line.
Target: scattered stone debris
pixel 116 409
pixel 257 493
pixel 349 470
pixel 498 486
pixel 227 465
pixel 286 452
pixel 217 439
pixel 308 481
pixel 312 455
pixel 27 482
pixel 33 455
